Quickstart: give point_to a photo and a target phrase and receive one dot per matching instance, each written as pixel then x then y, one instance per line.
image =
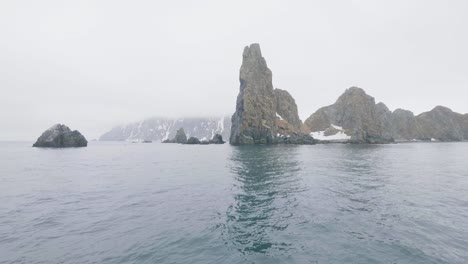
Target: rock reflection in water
pixel 264 198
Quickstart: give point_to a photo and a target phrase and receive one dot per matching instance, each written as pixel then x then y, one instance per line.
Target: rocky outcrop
pixel 263 115
pixel 180 137
pixel 286 109
pixel 441 124
pixel 296 139
pixel 217 139
pixel 405 126
pixel 193 141
pixel 254 119
pixel 356 118
pixel 356 115
pixel 159 129
pixel 60 136
pixel 287 117
pixel 464 123
pixel 267 116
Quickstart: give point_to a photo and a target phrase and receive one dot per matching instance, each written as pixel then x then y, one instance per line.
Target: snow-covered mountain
pixel 159 129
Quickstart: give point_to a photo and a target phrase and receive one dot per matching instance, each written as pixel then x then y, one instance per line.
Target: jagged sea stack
pixel 61 136
pixel 254 119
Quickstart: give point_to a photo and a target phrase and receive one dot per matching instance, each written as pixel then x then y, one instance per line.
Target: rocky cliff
pixel 464 122
pixel 405 125
pixel 353 117
pixel 60 136
pixel 159 129
pixel 287 117
pixel 442 124
pixel 254 119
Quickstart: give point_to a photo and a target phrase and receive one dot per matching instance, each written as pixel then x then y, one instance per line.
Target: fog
pixel 96 64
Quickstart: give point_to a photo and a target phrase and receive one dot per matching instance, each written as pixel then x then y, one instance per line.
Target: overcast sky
pixel 96 64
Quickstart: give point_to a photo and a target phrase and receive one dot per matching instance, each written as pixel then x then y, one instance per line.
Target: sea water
pixel 167 203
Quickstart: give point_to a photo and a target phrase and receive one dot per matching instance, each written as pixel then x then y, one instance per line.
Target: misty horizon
pixel 94 66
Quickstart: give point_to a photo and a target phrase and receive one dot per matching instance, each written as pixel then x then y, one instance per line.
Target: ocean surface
pixel 165 203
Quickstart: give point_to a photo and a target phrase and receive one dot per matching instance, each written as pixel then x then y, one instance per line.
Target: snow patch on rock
pixel 339 136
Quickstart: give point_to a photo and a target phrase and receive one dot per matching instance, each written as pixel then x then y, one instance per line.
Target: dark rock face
pixel 180 136
pixel 254 119
pixel 217 139
pixel 464 123
pixel 359 116
pixel 405 126
pixel 441 124
pixel 192 141
pixel 297 139
pixel 286 109
pixel 367 122
pixel 60 136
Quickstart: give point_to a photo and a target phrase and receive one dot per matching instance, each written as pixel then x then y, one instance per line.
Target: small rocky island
pixel 181 138
pixel 61 136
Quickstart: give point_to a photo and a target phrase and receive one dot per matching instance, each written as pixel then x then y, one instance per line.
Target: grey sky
pixel 96 64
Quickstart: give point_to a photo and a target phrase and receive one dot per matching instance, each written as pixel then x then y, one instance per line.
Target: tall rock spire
pixel 254 119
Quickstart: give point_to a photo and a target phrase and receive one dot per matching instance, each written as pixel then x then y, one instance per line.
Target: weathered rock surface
pixel 297 139
pixel 61 136
pixel 217 139
pixel 442 124
pixel 254 119
pixel 405 125
pixel 286 109
pixel 193 141
pixel 267 116
pixel 464 123
pixel 264 115
pixel 180 137
pixel 358 115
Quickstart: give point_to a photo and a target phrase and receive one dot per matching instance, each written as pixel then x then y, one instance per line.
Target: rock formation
pixel 264 115
pixel 464 123
pixel 254 119
pixel 356 118
pixel 159 129
pixel 356 115
pixel 441 124
pixel 217 139
pixel 193 141
pixel 60 136
pixel 180 137
pixel 405 126
pixel 296 139
pixel 286 108
pixel 287 117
